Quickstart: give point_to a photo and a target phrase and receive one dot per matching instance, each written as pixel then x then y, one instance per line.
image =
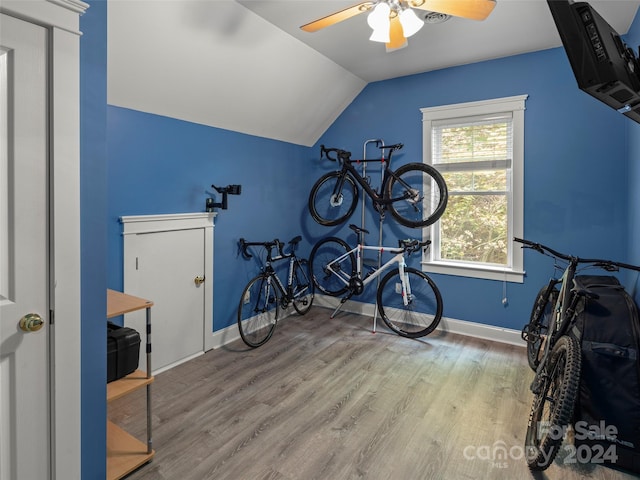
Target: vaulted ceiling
pixel 514 27
pixel 246 66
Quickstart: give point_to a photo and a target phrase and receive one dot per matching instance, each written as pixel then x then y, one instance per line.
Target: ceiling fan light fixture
pixel 379 16
pixel 381 34
pixel 410 22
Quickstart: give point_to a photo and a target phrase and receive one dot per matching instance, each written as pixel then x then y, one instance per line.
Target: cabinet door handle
pixel 199 280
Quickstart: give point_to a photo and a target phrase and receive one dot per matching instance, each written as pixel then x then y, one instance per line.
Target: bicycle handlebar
pixel 344 155
pixel 608 265
pixel 411 245
pixel 340 154
pixel 244 245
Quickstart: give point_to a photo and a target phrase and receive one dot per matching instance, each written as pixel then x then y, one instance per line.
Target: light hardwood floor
pixel 327 399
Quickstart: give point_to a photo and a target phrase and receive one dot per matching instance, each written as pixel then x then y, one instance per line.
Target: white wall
pixel 217 63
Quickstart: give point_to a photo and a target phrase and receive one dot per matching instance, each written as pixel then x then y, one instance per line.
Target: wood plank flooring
pixel 327 399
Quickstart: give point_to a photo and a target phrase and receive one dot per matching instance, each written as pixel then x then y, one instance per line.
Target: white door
pixel 24 276
pixel 166 267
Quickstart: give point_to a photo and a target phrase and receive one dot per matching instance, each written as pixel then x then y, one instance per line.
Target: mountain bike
pixel 408 300
pixel 415 194
pixel 264 295
pixel 554 352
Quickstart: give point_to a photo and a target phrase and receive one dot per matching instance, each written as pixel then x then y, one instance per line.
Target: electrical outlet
pixel 399 288
pixel 247 297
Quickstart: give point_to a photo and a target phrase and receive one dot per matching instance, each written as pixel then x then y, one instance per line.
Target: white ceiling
pixel 514 27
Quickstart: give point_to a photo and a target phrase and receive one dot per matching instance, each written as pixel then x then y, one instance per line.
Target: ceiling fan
pixel 393 21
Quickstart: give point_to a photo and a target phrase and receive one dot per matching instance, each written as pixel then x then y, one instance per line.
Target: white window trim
pixel 515 104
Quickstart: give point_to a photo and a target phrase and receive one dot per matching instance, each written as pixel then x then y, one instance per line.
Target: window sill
pixel 483 272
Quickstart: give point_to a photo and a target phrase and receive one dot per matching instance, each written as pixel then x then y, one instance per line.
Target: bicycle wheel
pixel 332 279
pixel 258 311
pixel 552 409
pixel 421 192
pixel 302 287
pixel 536 330
pixel 423 311
pixel 329 207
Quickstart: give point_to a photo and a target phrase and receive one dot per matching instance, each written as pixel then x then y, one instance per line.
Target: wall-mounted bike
pixel 415 193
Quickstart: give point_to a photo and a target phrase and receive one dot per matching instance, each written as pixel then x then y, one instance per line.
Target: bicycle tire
pixel 539 323
pixel 324 252
pixel 552 408
pixel 425 200
pixel 327 210
pixel 258 311
pixel 302 286
pixel 423 312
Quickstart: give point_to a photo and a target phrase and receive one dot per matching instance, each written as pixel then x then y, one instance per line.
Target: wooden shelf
pixel 119 303
pixel 125 453
pixel 128 384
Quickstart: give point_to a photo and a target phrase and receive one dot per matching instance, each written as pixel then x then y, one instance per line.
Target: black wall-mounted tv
pixel 602 63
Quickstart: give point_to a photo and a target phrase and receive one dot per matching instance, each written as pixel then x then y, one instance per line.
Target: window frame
pixel 515 106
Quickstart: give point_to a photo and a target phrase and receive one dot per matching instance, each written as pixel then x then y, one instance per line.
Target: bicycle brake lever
pixel 280 246
pixel 243 249
pixel 607 266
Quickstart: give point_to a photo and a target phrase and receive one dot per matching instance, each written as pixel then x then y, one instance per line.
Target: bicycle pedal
pixel 528 335
pixel 536 385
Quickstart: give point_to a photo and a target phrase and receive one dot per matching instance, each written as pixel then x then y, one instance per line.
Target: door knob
pixel 198 280
pixel 31 322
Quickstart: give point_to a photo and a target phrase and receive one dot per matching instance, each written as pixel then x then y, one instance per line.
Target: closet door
pixel 171 266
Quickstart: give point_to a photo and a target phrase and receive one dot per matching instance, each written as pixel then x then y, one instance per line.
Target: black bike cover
pixel 607 413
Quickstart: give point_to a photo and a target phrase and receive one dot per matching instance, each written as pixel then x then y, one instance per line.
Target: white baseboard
pixel 461 327
pixel 175 364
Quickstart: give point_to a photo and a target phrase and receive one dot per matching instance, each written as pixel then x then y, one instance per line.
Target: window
pixel 479 148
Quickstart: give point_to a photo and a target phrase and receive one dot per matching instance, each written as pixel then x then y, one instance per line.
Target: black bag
pixel 123 350
pixel 607 414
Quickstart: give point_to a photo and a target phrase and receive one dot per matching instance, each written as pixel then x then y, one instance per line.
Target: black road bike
pixel 265 294
pixel 554 353
pixel 415 194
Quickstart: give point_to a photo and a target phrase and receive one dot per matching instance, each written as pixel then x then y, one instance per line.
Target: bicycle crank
pixel 356 286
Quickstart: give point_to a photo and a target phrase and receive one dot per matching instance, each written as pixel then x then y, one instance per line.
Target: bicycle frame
pixel 563 312
pixel 286 292
pixel 358 249
pixel 378 198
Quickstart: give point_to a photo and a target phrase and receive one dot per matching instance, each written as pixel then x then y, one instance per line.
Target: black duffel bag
pixel 607 413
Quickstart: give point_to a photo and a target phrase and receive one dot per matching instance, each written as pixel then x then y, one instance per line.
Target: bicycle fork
pixel 404 283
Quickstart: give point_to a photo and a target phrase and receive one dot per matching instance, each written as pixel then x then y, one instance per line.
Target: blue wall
pixel 633 132
pixel 93 202
pixel 575 166
pixel 162 165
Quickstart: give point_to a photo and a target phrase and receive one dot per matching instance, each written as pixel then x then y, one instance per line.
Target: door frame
pixel 62 20
pixel 138 224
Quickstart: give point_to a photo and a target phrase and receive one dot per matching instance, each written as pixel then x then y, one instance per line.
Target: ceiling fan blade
pixel 396 35
pixel 473 9
pixel 337 17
